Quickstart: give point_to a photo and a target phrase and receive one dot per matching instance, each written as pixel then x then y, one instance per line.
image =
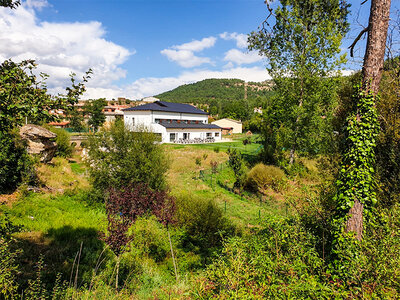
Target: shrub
pixel 198 161
pixel 266 265
pixel 261 177
pixel 16 166
pixel 149 238
pixel 236 162
pixel 203 223
pixel 63 141
pixel 216 149
pixel 118 157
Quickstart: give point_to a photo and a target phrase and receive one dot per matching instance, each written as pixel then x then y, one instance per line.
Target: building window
pixel 186 136
pixel 217 134
pixel 172 137
pixel 209 135
pixel 133 121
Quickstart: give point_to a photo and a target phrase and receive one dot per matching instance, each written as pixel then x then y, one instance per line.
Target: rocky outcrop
pixel 40 141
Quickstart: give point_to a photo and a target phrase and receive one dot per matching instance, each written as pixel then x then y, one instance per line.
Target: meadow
pixel 61 222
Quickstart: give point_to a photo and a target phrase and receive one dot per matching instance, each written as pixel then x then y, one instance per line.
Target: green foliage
pixel 198 161
pixel 277 262
pixel 356 176
pixel 63 141
pixel 236 162
pixel 10 3
pixel 118 157
pixel 305 43
pixel 388 140
pixel 262 177
pixel 8 266
pixel 216 149
pixel 222 97
pixel 75 118
pixel 23 96
pixel 15 164
pixel 203 223
pixel 8 270
pixel 94 109
pixel 150 238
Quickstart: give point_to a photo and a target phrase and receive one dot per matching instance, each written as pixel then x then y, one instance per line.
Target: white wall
pixel 147 119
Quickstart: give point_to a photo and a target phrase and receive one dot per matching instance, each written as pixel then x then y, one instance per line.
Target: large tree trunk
pixel 372 73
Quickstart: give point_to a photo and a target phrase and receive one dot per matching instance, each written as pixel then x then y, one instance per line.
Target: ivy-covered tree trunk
pixel 356 193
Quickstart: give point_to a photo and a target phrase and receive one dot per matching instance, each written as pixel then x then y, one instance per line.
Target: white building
pixel 175 122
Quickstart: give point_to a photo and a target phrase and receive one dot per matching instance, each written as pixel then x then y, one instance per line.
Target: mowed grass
pixel 237 143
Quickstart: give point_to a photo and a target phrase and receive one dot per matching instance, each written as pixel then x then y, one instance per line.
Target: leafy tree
pixel 24 98
pixel 302 47
pixel 10 3
pixel 75 118
pixel 237 164
pixel 94 108
pixel 356 193
pixel 118 157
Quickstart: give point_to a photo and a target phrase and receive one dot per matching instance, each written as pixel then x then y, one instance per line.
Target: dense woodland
pixel 306 209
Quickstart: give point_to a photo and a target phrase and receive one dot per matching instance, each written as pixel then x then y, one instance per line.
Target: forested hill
pixel 223 97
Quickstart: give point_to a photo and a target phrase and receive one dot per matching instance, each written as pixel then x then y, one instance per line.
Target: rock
pixel 40 141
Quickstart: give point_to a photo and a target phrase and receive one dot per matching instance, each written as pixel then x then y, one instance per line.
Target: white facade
pixel 173 126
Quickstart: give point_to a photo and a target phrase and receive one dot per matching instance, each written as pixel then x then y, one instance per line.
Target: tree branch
pixel 351 47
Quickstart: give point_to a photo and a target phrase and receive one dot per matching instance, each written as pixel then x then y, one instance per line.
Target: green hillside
pixel 222 97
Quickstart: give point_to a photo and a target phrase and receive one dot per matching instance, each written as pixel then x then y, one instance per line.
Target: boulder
pixel 40 141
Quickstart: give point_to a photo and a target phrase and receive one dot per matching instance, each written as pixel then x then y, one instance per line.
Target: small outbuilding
pixel 229 123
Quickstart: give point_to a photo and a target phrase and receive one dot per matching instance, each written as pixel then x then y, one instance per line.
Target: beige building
pixel 235 126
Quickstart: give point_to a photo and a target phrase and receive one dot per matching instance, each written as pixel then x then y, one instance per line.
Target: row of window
pixel 186 136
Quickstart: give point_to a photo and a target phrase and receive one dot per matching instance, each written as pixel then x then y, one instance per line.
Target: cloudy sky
pixel 140 48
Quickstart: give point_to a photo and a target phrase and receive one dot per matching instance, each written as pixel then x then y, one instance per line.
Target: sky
pixel 139 48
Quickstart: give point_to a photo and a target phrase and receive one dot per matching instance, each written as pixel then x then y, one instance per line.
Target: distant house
pixel 229 125
pixel 63 124
pixel 174 122
pixel 114 112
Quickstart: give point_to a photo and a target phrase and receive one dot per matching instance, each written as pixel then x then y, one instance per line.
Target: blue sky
pixel 140 48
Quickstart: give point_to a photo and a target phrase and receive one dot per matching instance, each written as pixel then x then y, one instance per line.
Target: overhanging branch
pixel 351 47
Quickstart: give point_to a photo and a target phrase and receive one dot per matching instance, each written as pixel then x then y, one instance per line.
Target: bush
pixel 149 238
pixel 278 262
pixel 16 166
pixel 203 223
pixel 118 157
pixel 63 141
pixel 261 177
pixel 216 149
pixel 198 161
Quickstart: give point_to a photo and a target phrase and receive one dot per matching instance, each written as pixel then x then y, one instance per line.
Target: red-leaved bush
pixel 126 204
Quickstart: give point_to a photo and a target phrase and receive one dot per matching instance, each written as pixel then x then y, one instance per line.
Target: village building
pixel 229 126
pixel 114 112
pixel 174 122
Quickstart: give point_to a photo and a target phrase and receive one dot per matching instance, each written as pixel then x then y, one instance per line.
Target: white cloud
pixel 155 85
pixel 239 57
pixel 185 58
pixel 240 38
pixel 196 45
pixel 184 55
pixel 60 48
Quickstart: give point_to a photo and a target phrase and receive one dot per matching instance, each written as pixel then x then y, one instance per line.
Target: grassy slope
pixel 58 221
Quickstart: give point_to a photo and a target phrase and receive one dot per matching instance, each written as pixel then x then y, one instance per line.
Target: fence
pixel 212 177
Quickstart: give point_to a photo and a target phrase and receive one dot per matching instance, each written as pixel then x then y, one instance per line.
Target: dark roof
pixel 169 107
pixel 191 125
